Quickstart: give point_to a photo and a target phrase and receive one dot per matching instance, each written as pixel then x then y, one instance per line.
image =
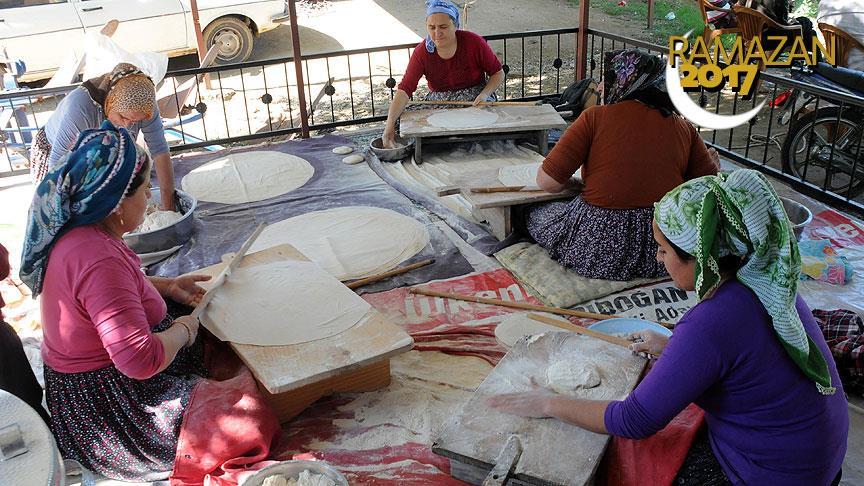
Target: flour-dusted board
pixel 508 118
pixel 554 453
pixel 284 368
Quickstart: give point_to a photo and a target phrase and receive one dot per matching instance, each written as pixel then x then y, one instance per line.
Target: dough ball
pixel 566 377
pixel 158 220
pixel 275 480
pixel 343 150
pixel 353 159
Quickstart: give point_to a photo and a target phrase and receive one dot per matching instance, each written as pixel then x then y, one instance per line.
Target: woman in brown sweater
pixel 632 150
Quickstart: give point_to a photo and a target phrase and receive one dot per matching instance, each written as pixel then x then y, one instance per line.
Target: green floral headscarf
pixel 740 214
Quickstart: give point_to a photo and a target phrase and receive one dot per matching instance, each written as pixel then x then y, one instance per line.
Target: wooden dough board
pixel 510 119
pixel 294 376
pixel 554 453
pixel 489 178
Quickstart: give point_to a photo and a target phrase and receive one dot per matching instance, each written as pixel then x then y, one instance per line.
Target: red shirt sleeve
pixel 416 68
pixel 112 299
pixel 486 57
pixel 572 150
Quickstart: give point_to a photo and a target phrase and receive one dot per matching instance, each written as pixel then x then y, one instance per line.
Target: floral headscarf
pixel 627 72
pixel 125 88
pixel 740 214
pixel 87 185
pixel 440 6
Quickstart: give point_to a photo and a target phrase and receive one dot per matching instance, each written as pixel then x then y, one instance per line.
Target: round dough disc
pixel 349 242
pixel 282 303
pixel 353 159
pixel 566 377
pixel 515 326
pixel 463 118
pixel 245 177
pixel 343 150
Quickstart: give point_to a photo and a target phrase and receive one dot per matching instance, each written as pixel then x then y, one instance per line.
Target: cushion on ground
pixel 553 284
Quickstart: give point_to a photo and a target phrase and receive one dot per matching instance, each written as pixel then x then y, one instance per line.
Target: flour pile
pixel 306 478
pixel 463 118
pixel 158 220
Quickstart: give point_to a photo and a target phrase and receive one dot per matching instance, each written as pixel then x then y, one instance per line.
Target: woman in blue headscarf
pixel 458 65
pixel 119 369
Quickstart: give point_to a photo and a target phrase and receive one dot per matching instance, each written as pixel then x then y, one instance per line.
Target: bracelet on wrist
pixel 188 333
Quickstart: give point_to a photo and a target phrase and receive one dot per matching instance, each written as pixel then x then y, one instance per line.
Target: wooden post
pixel 199 38
pixel 650 13
pixel 298 69
pixel 582 40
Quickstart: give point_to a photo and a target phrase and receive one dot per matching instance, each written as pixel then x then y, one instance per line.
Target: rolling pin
pixel 220 279
pixel 518 305
pixel 490 190
pixel 581 330
pixel 381 276
pixel 471 103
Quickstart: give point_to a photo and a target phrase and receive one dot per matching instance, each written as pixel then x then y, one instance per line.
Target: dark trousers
pixel 16 376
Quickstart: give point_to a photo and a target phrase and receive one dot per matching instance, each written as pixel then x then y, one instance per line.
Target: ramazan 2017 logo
pixel 715 67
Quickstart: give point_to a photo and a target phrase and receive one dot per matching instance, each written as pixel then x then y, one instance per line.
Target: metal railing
pixel 259 100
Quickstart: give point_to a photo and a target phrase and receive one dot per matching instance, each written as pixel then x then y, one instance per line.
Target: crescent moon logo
pixel 693 112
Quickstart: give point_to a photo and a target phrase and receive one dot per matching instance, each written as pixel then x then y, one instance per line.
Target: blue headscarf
pixel 86 186
pixel 440 6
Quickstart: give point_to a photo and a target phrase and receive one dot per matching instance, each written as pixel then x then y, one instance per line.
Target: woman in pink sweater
pixel 119 370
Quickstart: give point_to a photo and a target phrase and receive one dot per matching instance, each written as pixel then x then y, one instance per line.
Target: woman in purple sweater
pixel 750 353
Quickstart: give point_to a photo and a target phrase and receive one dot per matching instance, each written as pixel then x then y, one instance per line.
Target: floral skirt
pixel 39 153
pixel 120 427
pixel 603 243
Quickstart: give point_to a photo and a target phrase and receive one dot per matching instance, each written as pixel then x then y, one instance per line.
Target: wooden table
pixel 497 208
pixel 531 122
pixel 293 377
pixel 553 452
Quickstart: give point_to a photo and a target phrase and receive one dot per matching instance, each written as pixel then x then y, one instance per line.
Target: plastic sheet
pixel 222 228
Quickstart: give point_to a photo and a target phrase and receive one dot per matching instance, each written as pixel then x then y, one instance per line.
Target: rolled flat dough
pixel 247 177
pixel 353 159
pixel 566 377
pixel 282 303
pixel 463 118
pixel 349 242
pixel 343 150
pixel 515 326
pixel 519 175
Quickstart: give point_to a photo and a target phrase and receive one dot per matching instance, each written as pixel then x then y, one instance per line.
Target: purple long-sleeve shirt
pixel 767 423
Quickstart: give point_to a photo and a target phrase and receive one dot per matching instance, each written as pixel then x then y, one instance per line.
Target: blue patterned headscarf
pixel 440 6
pixel 86 186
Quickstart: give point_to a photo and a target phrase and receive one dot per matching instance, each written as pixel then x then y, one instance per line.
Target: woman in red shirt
pixel 458 65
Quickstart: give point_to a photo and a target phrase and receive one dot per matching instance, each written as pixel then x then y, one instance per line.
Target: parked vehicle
pixel 42 32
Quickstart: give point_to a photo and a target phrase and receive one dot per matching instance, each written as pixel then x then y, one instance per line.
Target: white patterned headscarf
pixel 740 214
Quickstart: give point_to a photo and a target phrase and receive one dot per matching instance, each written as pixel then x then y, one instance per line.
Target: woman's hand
pixel 535 404
pixel 191 324
pixel 650 342
pixel 388 139
pixel 480 99
pixel 185 290
pixel 715 157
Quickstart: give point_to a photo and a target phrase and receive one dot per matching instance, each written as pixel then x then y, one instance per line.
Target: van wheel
pixel 233 37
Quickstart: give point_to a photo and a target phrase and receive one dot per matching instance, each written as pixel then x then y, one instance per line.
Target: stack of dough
pixel 158 220
pixel 306 478
pixel 350 242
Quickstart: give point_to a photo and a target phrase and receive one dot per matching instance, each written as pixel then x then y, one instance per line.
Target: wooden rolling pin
pixel 518 305
pixel 471 103
pixel 490 190
pixel 581 330
pixel 381 276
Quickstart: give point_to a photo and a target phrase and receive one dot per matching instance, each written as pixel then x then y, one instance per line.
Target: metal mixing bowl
pixel 392 155
pixel 798 215
pixel 292 470
pixel 169 236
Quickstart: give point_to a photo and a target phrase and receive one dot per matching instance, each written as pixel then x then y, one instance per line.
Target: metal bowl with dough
pixel 292 470
pixel 170 236
pixel 392 155
pixel 799 215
